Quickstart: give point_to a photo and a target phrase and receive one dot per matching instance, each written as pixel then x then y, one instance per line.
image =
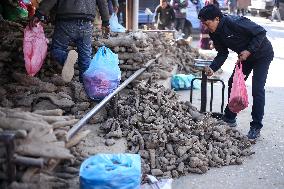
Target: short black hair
pixel 209 12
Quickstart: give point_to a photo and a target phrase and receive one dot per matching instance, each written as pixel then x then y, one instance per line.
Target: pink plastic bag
pixel 35 49
pixel 239 96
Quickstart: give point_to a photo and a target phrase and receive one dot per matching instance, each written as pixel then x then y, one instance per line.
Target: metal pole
pixel 203 92
pixel 135 12
pixel 97 108
pixel 170 31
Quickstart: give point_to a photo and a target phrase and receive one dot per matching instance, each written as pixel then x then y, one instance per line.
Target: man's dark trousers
pixel 77 31
pixel 260 67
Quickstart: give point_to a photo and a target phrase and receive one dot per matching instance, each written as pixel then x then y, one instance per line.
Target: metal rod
pixel 223 92
pixel 170 31
pixel 99 106
pixel 191 88
pixel 203 92
pixel 211 97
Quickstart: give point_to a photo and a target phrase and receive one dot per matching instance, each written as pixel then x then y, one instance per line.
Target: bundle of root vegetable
pixel 39 148
pixel 172 137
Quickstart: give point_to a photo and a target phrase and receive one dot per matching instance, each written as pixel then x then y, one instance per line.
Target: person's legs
pixel 64 33
pixel 230 116
pixel 243 12
pixel 122 12
pixel 278 15
pixel 60 41
pixel 181 24
pixel 260 71
pixel 177 23
pixel 161 27
pixel 84 46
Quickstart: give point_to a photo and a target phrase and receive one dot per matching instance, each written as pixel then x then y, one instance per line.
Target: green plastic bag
pixel 183 82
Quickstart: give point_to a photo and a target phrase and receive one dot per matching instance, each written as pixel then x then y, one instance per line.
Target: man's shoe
pixel 68 68
pixel 230 122
pixel 253 133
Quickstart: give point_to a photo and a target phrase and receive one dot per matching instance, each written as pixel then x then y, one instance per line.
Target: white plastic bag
pixel 154 183
pixel 114 25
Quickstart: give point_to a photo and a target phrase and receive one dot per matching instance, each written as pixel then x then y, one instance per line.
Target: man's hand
pixel 244 55
pixel 208 71
pixel 106 31
pixel 33 22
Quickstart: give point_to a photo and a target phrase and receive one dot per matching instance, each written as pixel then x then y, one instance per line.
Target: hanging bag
pixel 103 75
pixel 238 97
pixel 115 26
pixel 35 48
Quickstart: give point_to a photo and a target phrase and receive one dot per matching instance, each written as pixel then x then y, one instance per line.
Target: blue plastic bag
pixel 103 75
pixel 183 82
pixel 111 171
pixel 114 25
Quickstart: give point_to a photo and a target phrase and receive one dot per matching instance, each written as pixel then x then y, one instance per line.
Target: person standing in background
pixel 122 11
pixel 165 16
pixel 112 6
pixel 242 6
pixel 204 42
pixel 180 13
pixel 73 23
pixel 275 11
pixel 232 6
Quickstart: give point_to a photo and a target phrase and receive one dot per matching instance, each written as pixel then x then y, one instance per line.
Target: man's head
pixel 164 4
pixel 210 16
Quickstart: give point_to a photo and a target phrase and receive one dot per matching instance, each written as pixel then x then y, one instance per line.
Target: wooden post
pixel 129 14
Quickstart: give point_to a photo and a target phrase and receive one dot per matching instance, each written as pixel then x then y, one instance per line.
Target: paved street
pixel 264 169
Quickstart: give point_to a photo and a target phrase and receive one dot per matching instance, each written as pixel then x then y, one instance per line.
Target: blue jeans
pixel 260 68
pixel 78 32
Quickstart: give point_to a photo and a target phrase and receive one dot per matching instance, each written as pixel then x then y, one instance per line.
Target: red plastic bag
pixel 35 49
pixel 239 96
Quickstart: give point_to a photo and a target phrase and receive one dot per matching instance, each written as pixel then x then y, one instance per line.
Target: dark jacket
pixel 69 9
pixel 180 8
pixel 165 16
pixel 239 34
